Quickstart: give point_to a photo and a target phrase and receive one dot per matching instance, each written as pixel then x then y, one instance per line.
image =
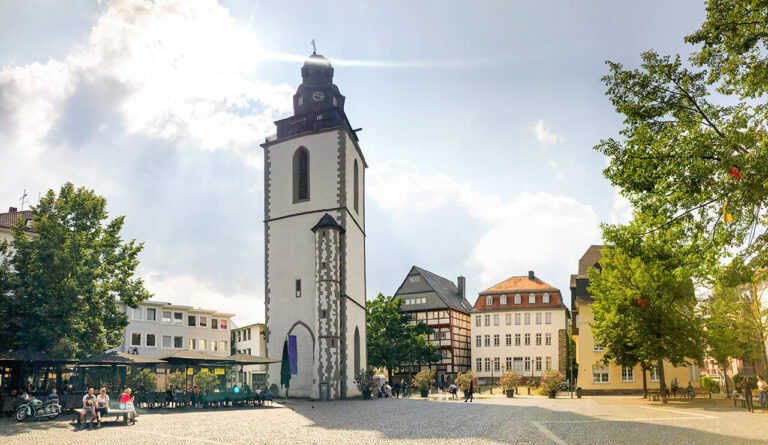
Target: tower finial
pixel 314 48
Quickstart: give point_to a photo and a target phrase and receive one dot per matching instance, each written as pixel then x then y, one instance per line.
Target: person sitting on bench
pixel 89 406
pixel 102 405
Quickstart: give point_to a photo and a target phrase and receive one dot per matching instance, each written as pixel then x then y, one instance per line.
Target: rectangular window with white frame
pixel 517 339
pixel 479 365
pixel 150 340
pixel 548 339
pixel 517 319
pixel 496 364
pixel 487 364
pixel 178 342
pixel 203 321
pixel 508 340
pixel 527 339
pixel 527 318
pixel 654 374
pixel 203 345
pixel 538 317
pixel 508 319
pixel 478 340
pixel 495 319
pixel 496 340
pixel 192 344
pixel 627 374
pixel 478 321
pixel 548 318
pixel 488 340
pixel 527 364
pixel 549 363
pixel 178 318
pixel 509 363
pixel 487 320
pixel 135 339
pixel 138 313
pixel 598 347
pixel 600 374
pixel 538 339
pixel 166 316
pixel 167 341
pixel 151 314
pixel 538 364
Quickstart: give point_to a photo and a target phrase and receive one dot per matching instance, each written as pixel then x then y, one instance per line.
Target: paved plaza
pixel 533 420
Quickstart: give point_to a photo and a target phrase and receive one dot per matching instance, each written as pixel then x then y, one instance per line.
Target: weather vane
pixel 314 48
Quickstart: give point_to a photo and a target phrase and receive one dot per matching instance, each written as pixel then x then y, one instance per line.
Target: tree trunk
pixel 727 388
pixel 58 377
pixel 645 383
pixel 389 373
pixel 662 385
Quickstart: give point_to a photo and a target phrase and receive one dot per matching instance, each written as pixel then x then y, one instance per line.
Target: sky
pixel 478 121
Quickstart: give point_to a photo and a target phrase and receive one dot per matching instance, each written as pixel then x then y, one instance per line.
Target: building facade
pixel 443 306
pixel 314 227
pixel 250 340
pixel 156 329
pixel 594 378
pixel 519 324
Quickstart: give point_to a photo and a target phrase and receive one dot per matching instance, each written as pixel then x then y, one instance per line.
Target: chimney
pixel 462 287
pixel 530 275
pixel 11 209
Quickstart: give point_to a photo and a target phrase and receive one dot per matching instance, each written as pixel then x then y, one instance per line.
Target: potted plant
pixel 365 382
pixel 463 379
pixel 550 382
pixel 509 381
pixel 424 380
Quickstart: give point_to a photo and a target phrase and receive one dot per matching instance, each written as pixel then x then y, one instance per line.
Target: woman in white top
pixel 102 405
pixel 762 396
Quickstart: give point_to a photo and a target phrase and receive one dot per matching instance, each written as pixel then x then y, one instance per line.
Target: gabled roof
pixel 519 284
pixel 8 220
pixel 444 288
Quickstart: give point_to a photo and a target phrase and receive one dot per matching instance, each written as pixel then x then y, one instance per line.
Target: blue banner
pixel 292 355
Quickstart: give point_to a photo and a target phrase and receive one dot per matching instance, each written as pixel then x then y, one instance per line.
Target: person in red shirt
pixel 126 402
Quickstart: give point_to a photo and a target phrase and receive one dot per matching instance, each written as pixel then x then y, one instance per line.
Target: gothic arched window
pixel 301 175
pixel 357 187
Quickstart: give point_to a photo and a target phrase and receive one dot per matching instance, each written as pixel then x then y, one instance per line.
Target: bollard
pixel 529 390
pixel 578 392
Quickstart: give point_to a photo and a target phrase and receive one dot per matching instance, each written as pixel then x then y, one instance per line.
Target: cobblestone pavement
pixel 526 420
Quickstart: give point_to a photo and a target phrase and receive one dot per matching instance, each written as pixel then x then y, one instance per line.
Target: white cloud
pixel 559 175
pixel 187 290
pixel 176 70
pixel 529 230
pixel 543 135
pixel 622 210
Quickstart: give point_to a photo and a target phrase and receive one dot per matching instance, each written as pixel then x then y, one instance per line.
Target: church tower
pixel 314 238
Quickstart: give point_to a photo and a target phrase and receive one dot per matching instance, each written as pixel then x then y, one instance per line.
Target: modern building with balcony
pixel 443 306
pixel 250 340
pixel 157 329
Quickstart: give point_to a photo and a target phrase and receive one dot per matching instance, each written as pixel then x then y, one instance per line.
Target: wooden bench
pixel 117 413
pixel 653 396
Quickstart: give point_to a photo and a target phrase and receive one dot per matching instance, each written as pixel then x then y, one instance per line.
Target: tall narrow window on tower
pixel 301 175
pixel 298 288
pixel 357 187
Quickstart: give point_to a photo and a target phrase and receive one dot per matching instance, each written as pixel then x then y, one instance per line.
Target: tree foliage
pixel 59 285
pixel 142 380
pixel 693 152
pixel 206 380
pixel 393 339
pixel 645 306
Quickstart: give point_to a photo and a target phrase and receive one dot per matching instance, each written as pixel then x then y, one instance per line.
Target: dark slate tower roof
pixel 327 221
pixel 317 104
pixel 445 289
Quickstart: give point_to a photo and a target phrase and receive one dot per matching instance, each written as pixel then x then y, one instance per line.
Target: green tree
pixel 59 285
pixel 645 305
pixel 393 340
pixel 206 380
pixel 694 145
pixel 177 379
pixel 143 380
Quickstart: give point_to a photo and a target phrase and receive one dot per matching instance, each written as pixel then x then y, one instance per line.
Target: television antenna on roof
pixel 23 199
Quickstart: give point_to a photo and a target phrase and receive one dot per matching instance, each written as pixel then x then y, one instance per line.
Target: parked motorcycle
pixel 38 409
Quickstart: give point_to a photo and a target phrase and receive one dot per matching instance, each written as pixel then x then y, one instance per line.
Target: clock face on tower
pixel 318 96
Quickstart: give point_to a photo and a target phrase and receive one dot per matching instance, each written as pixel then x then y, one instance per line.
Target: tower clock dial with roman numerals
pixel 318 96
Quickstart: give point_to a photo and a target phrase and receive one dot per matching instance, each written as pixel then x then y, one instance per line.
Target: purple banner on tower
pixel 292 355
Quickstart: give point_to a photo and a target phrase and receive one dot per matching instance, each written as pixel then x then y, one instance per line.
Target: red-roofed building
pixel 519 324
pixel 9 219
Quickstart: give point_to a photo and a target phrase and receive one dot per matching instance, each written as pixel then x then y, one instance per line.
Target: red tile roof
pixel 8 220
pixel 519 284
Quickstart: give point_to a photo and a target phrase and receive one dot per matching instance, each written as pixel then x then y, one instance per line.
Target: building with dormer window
pixel 519 324
pixel 442 305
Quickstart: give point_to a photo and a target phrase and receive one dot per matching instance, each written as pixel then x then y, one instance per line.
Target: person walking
pixel 762 388
pixel 748 393
pixel 675 386
pixel 470 391
pixel 396 390
pixel 403 387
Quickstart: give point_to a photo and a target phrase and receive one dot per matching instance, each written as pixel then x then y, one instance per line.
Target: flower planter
pixel 510 393
pixel 366 395
pixel 425 393
pixel 552 394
